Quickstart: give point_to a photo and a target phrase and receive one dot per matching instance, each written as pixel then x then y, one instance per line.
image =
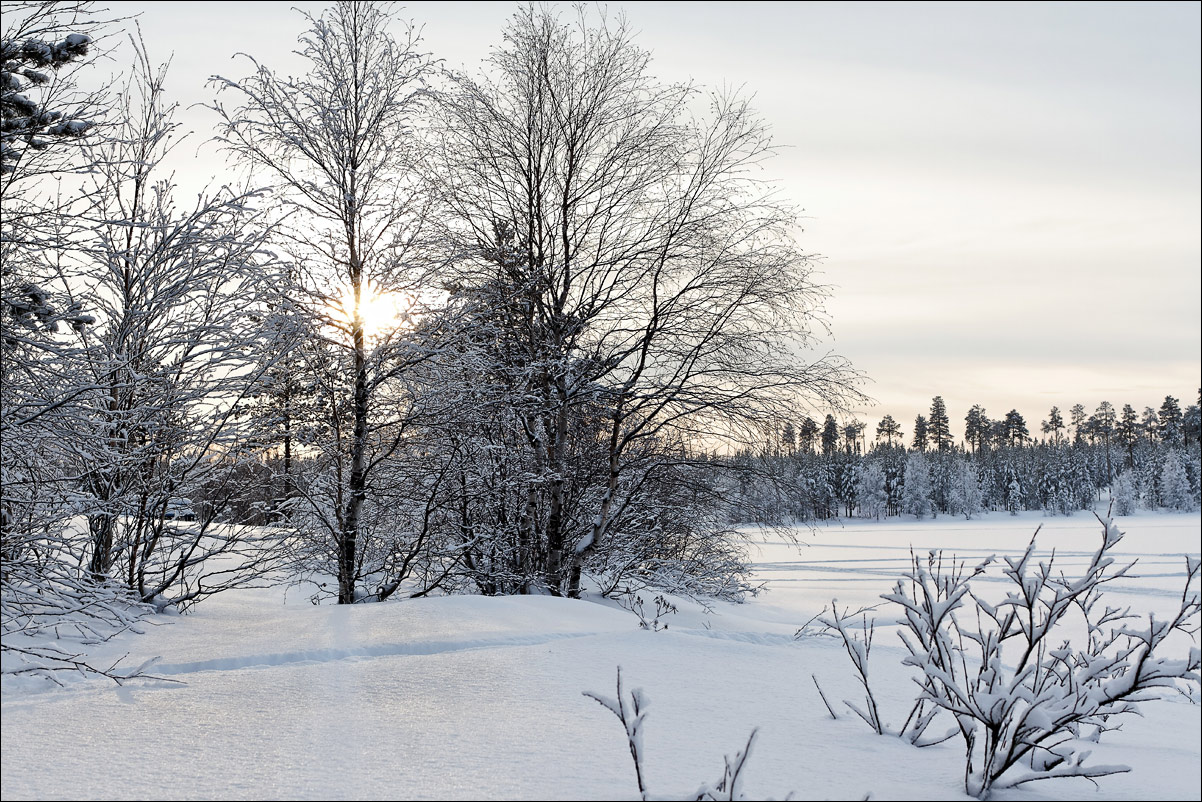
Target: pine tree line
pixel 1149 461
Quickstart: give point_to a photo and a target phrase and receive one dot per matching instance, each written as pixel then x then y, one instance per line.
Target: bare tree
pixel 167 358
pixel 336 145
pixel 118 413
pixel 639 265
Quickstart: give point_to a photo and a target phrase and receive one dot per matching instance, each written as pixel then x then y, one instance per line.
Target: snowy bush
pixel 50 615
pixel 1122 494
pixel 1174 485
pixel 916 494
pixel 647 619
pixel 1021 691
pixel 871 492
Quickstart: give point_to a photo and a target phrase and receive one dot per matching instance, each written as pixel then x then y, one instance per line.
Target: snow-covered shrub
pixel 858 646
pixel 1122 494
pixel 965 496
pixel 871 493
pixel 648 620
pixel 1020 691
pixel 50 615
pixel 1174 485
pixel 916 494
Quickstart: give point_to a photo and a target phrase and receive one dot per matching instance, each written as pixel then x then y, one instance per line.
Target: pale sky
pixel 1006 197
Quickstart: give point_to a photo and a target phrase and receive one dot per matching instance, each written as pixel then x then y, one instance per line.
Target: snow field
pixel 468 697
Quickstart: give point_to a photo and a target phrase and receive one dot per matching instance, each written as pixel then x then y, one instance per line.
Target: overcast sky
pixel 1006 197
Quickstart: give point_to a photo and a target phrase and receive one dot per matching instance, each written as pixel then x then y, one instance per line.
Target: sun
pixel 385 312
pixel 382 312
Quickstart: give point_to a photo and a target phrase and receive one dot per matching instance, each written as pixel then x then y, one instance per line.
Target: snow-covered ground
pixel 469 697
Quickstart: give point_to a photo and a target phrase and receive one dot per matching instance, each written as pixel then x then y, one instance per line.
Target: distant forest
pixel 1146 460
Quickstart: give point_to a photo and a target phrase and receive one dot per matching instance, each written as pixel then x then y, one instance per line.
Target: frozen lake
pixel 855 561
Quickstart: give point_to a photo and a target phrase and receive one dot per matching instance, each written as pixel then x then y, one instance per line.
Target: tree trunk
pixel 348 542
pixel 555 535
pixel 600 523
pixel 289 488
pixel 100 529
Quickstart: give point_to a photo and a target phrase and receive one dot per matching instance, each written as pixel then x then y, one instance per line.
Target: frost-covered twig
pixel 663 607
pixel 632 714
pixel 858 647
pixel 829 709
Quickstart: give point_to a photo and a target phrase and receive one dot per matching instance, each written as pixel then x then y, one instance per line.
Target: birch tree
pixel 336 144
pixel 650 271
pixel 172 291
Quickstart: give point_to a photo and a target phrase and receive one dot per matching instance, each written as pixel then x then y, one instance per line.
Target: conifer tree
pixel 830 436
pixel 919 443
pixel 852 432
pixel 997 434
pixel 808 435
pixel 939 430
pixel 1191 423
pixel 976 427
pixel 1102 423
pixel 1127 432
pixel 888 429
pixel 1015 428
pixel 1078 417
pixel 1174 486
pixel 788 438
pixel 1150 422
pixel 1013 491
pixel 1170 421
pixel 1053 425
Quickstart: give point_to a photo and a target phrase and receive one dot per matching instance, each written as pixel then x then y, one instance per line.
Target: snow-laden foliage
pixel 42 46
pixel 1025 685
pixel 916 497
pixel 871 493
pixel 965 496
pixel 1122 494
pixel 1174 484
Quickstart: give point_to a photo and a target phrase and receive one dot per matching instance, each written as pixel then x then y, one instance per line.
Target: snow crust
pixel 266 696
